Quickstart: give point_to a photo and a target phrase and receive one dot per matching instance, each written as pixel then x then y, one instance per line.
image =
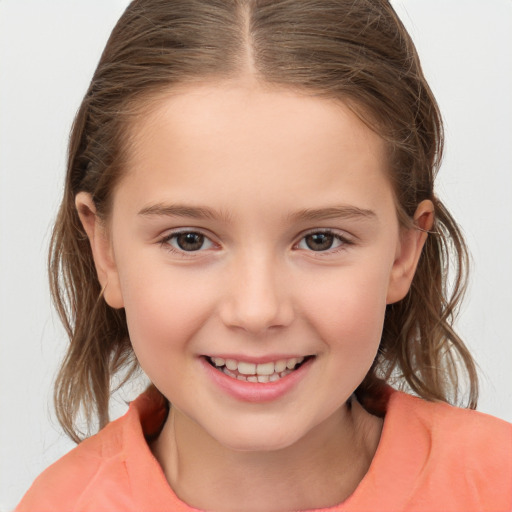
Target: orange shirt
pixel 431 457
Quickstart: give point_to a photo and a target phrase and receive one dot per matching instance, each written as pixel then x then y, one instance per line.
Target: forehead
pixel 237 139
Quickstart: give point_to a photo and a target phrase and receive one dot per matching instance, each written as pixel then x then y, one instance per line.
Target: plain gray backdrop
pixel 48 52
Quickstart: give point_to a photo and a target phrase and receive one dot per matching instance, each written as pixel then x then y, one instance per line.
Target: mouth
pixel 270 371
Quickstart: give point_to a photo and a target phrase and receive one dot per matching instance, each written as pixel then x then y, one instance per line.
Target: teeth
pixel 231 364
pixel 248 368
pixel 290 364
pixel 280 366
pixel 251 372
pixel 265 368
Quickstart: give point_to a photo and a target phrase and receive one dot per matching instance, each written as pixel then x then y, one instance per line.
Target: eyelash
pixel 344 242
pixel 165 242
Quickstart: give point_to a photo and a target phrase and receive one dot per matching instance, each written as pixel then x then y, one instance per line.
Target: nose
pixel 257 297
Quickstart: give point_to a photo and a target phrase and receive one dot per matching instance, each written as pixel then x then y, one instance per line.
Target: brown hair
pixel 354 50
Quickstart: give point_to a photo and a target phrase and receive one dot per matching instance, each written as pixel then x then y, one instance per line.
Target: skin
pixel 261 161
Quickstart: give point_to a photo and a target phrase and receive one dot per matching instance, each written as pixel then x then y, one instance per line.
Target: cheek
pixel 348 309
pixel 164 310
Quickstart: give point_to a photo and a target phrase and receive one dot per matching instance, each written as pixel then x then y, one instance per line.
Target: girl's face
pixel 254 236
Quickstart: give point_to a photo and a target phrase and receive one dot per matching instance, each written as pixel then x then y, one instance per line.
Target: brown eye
pixel 319 241
pixel 189 241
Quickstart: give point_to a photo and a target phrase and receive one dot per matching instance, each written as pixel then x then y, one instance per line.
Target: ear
pixel 408 253
pixel 102 251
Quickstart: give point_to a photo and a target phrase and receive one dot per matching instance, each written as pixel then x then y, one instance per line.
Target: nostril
pixel 256 318
pixel 256 297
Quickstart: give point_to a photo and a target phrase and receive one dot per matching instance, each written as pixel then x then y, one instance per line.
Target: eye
pixel 321 241
pixel 187 241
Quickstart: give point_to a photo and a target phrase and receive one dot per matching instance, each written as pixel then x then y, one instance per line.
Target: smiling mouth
pixel 257 372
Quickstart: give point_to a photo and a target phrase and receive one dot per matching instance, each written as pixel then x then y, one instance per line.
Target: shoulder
pixel 106 471
pixel 448 426
pixel 63 485
pixel 435 457
pixel 463 455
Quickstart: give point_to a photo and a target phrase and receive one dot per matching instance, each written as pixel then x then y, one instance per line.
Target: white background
pixel 48 52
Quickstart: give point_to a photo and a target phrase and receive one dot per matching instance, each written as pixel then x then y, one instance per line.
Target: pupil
pixel 319 241
pixel 190 241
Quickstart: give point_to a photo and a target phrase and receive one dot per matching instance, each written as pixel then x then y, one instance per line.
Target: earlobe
pixel 411 244
pixel 101 247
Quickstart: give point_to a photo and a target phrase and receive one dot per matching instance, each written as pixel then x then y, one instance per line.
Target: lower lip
pixel 256 391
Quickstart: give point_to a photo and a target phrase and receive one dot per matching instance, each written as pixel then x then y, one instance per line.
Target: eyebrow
pixel 308 214
pixel 178 210
pixel 333 212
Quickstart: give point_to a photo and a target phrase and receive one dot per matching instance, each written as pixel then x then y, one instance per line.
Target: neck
pixel 320 470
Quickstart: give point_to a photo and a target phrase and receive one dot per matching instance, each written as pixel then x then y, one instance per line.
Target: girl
pixel 249 215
